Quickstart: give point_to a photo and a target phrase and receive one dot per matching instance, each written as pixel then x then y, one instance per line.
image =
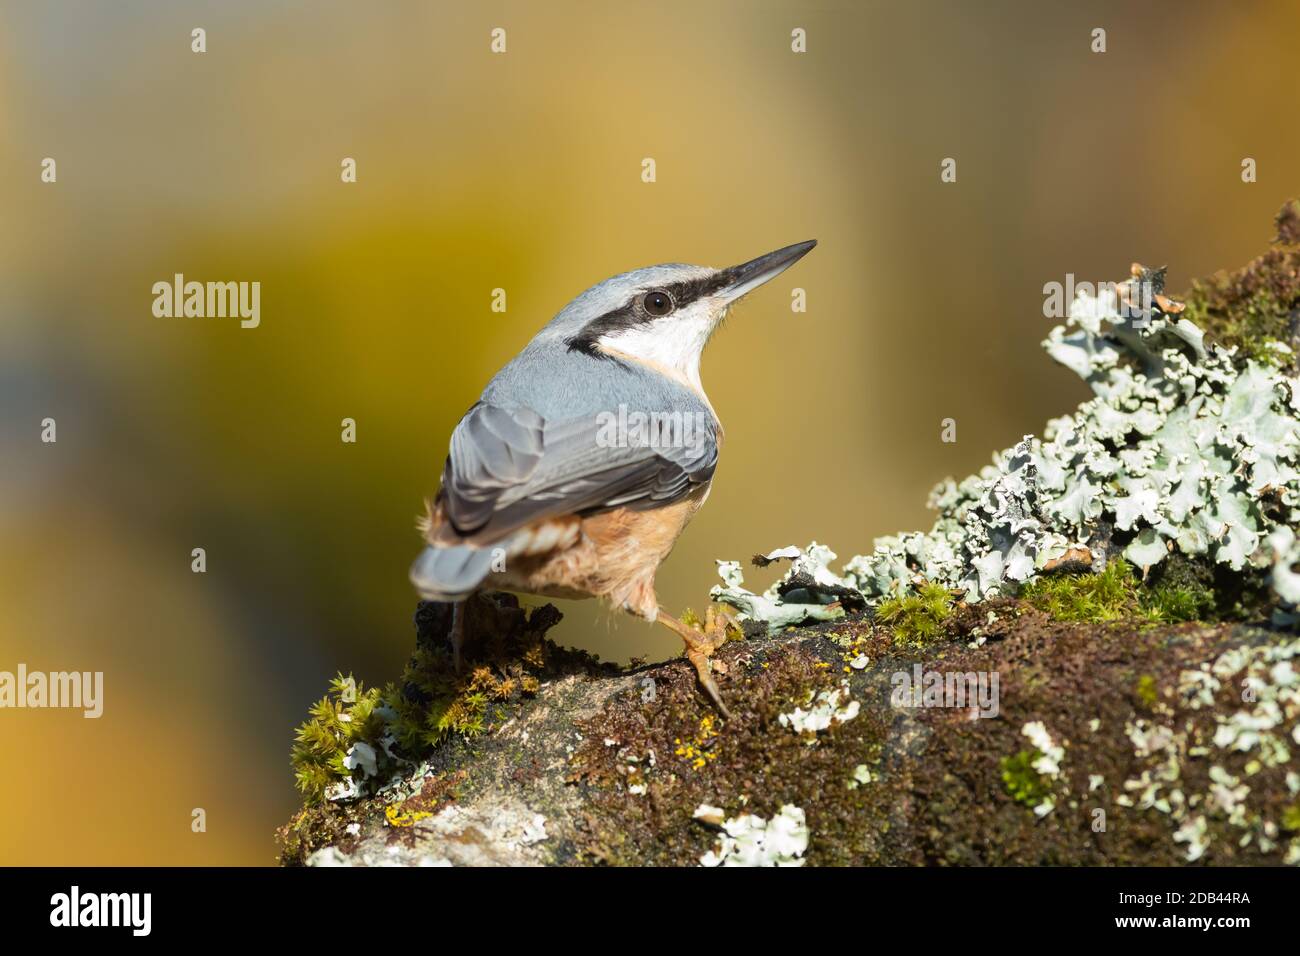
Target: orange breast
pixel 615 557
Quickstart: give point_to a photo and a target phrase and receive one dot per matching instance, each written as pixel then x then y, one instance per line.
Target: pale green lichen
pixel 772 606
pixel 1181 449
pixel 861 776
pixel 749 840
pixel 1284 576
pixel 1032 776
pixel 829 707
pixel 1264 729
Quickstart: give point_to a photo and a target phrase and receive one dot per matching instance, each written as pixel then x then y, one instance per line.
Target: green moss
pixel 1146 691
pixel 1291 818
pixel 506 656
pixel 1116 594
pixel 917 619
pixel 1253 309
pixel 1182 588
pixel 1254 327
pixel 1086 598
pixel 1175 603
pixel 1025 784
pixel 346 715
pixel 436 702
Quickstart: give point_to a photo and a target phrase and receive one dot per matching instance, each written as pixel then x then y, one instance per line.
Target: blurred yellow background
pixel 521 171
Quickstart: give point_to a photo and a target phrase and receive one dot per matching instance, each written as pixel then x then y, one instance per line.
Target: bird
pixel 588 453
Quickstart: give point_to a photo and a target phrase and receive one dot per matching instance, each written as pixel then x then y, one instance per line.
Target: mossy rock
pixel 1138 720
pixel 604 768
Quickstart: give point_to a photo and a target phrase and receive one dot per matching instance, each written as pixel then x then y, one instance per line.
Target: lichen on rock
pixel 749 840
pixel 1186 448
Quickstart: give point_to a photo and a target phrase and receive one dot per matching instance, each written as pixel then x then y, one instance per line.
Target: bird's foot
pixel 458 611
pixel 701 645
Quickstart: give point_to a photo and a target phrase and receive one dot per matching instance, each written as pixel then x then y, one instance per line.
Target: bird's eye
pixel 657 302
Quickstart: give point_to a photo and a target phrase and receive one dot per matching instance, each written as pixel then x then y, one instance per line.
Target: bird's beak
pixel 745 278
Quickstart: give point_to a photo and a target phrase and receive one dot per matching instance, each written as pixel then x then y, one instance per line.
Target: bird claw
pixel 704 671
pixel 700 647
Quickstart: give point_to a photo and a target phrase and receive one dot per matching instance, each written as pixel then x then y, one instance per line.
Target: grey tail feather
pixel 450 574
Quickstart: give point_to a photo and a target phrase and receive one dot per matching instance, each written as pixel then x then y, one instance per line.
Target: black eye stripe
pixel 631 314
pixel 686 292
pixel 625 317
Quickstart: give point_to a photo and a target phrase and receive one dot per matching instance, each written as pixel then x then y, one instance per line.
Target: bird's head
pixel 663 315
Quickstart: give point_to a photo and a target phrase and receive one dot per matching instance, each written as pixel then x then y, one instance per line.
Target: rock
pixel 613 768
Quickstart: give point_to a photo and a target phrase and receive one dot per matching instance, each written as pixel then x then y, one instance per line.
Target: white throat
pixel 673 345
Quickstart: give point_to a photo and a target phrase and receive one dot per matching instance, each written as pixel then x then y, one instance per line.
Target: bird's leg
pixel 457 631
pixel 700 646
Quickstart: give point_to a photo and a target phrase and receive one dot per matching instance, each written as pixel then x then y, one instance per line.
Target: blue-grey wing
pixel 509 467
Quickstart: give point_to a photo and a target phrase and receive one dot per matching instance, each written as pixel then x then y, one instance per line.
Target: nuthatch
pixel 545 491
